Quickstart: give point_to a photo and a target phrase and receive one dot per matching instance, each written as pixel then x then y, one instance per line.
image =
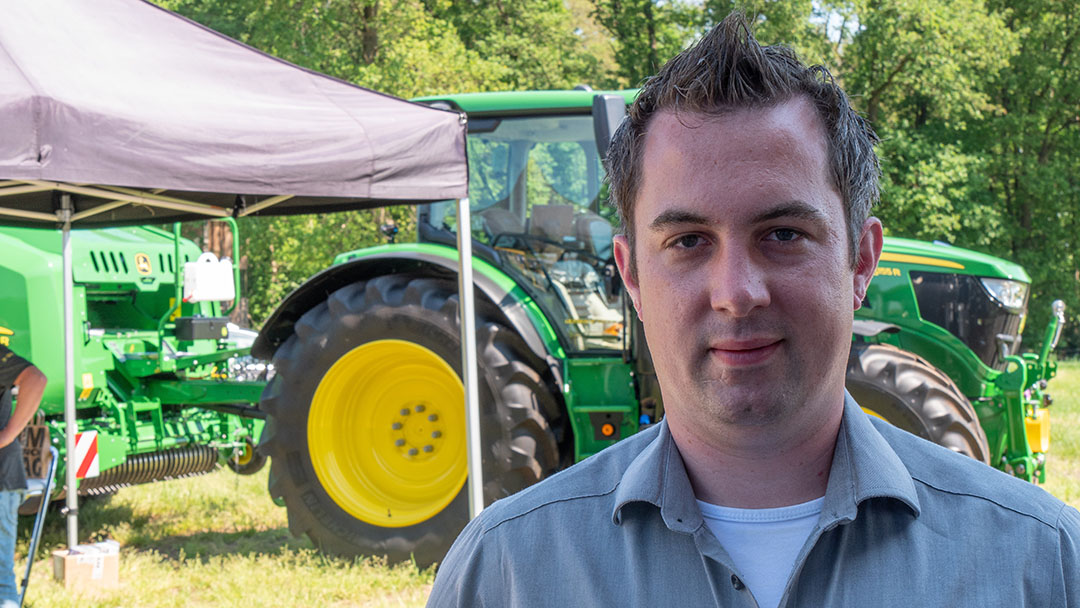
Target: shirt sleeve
pixel 11 365
pixel 463 576
pixel 1069 529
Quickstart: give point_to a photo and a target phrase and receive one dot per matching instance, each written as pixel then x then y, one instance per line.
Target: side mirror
pixel 607 112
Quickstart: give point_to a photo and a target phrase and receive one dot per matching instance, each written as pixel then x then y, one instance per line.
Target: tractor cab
pixel 539 213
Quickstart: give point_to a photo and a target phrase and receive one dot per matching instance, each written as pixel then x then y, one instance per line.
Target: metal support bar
pixel 39 521
pixel 178 289
pixel 263 204
pixel 136 197
pixel 30 215
pixel 468 358
pixel 235 263
pixel 69 377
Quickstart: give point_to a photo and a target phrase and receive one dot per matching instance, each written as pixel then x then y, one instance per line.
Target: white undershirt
pixel 763 543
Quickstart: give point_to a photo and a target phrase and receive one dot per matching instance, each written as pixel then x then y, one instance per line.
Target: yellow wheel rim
pixel 386 432
pixel 246 455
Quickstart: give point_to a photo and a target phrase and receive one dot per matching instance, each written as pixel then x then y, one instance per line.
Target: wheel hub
pixel 386 433
pixel 418 432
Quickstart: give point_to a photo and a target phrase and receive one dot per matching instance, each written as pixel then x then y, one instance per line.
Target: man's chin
pixel 747 407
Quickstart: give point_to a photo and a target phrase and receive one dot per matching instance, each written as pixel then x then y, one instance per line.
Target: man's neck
pixel 758 467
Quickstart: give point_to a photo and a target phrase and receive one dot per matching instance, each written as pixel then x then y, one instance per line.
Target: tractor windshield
pixel 535 190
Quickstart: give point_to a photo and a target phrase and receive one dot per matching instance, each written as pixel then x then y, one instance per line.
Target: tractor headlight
pixel 1011 294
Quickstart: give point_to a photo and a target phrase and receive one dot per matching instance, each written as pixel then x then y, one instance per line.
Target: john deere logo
pixel 142 263
pixel 5 336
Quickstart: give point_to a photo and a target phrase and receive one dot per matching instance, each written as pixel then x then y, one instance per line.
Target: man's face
pixel 744 281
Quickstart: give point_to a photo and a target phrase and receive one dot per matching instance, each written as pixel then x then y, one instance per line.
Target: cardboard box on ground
pixel 88 566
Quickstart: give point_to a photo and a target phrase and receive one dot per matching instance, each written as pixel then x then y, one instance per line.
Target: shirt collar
pixel 864 466
pixel 658 476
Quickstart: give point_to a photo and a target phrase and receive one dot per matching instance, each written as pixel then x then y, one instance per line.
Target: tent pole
pixel 69 379
pixel 468 358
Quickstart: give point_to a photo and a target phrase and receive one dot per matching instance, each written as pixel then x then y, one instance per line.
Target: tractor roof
pixel 530 102
pixel 940 257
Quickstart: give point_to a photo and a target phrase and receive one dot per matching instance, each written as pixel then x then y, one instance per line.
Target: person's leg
pixel 9 523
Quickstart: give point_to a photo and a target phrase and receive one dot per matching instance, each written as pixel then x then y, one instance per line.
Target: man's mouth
pixel 744 353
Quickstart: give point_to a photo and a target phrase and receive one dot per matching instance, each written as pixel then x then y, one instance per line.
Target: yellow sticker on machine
pixel 919 259
pixel 142 263
pixel 87 386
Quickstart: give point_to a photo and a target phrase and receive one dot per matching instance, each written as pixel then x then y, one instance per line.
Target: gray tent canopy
pixel 119 112
pixel 144 116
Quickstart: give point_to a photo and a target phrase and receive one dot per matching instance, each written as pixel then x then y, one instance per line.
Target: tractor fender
pixel 277 329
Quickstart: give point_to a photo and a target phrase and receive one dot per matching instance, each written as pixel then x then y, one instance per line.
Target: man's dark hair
pixel 728 70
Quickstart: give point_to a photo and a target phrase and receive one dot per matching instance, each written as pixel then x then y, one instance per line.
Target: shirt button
pixel 737 583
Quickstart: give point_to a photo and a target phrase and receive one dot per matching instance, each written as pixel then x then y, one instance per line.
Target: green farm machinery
pixel 365 426
pixel 155 394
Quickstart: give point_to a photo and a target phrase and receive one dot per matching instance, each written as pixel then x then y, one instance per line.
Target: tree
pixel 1033 151
pixel 646 33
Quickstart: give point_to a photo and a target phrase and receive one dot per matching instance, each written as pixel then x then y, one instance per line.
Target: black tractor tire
pixel 521 419
pixel 911 394
pixel 248 462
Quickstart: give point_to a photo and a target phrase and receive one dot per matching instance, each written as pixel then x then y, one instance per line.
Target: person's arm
pixel 31 383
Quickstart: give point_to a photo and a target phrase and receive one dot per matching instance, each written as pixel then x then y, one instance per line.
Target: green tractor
pixel 365 423
pixel 155 394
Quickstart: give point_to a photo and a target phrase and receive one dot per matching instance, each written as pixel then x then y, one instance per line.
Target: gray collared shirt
pixel 905 523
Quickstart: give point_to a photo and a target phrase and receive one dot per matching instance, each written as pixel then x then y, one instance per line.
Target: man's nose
pixel 737 283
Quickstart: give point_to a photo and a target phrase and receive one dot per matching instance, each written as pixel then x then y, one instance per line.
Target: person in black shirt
pixel 20 373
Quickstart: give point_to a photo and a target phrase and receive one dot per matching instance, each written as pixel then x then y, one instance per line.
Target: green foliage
pixel 920 60
pixel 934 190
pixel 646 33
pixel 282 252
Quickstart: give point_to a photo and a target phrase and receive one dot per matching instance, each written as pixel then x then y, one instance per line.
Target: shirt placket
pixel 727 586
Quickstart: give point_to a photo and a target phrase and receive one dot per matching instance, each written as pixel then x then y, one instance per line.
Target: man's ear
pixel 868 253
pixel 623 259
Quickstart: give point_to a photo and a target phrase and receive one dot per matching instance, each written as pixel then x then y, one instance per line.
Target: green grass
pixel 215 540
pixel 1063 461
pixel 218 540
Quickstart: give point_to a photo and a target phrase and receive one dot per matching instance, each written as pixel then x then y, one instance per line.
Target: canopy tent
pixel 120 112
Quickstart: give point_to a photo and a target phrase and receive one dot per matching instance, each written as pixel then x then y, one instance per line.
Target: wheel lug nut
pixel 433 417
pixel 419 408
pixel 436 434
pixel 404 412
pixel 413 451
pixel 396 426
pixel 399 442
pixel 428 448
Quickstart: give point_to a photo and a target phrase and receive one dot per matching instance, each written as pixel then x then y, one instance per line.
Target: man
pixel 20 373
pixel 744 181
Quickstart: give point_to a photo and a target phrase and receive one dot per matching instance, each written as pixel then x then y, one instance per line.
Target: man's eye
pixel 784 234
pixel 687 241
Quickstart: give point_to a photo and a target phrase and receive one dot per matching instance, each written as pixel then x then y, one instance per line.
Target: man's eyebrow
pixel 788 209
pixel 791 209
pixel 676 216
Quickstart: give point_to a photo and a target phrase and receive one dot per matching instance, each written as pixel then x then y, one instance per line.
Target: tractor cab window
pixel 537 197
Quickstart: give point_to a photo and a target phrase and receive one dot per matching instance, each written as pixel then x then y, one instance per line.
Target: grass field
pixel 215 540
pixel 218 540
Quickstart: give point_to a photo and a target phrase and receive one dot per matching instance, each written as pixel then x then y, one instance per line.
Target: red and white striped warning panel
pixel 86 455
